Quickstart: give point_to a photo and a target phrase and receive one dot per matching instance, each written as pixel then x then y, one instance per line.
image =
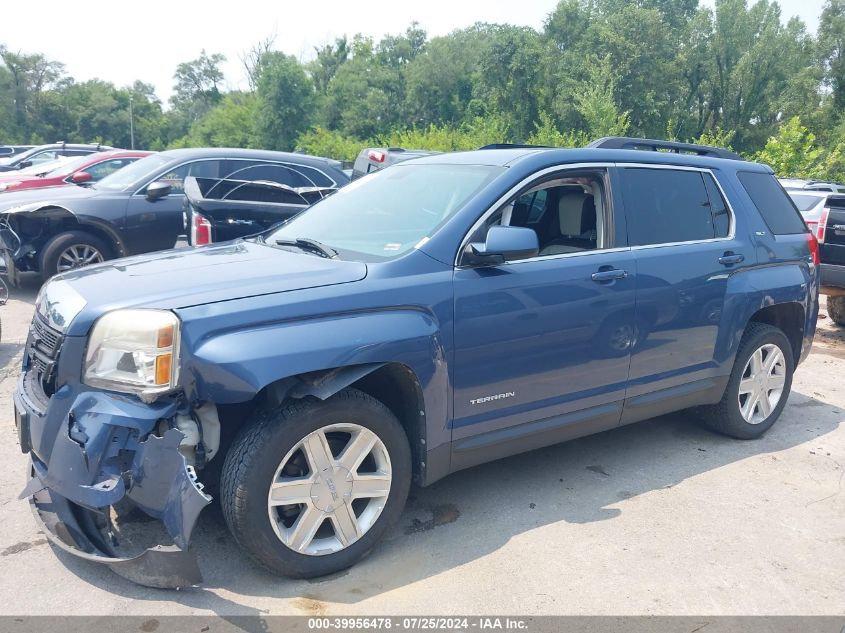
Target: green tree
pixel 231 123
pixel 831 42
pixel 196 91
pixel 285 98
pixel 29 77
pixel 793 152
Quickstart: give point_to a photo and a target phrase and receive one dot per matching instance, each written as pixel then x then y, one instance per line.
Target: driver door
pixel 154 225
pixel 542 345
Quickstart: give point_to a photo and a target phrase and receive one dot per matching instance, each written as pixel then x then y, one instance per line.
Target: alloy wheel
pixel 77 256
pixel 329 489
pixel 762 382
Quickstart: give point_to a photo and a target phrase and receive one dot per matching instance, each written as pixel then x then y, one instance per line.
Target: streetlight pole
pixel 131 126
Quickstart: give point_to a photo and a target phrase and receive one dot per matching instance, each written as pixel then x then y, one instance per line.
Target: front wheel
pixel 71 250
pixel 310 489
pixel 758 387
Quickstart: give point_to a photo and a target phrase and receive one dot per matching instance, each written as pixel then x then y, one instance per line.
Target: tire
pixel 726 417
pixel 276 439
pixel 836 309
pixel 58 245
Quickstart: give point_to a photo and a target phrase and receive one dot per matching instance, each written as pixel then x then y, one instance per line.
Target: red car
pixel 74 171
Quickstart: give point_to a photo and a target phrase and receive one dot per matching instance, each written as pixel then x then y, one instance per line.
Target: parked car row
pixel 139 208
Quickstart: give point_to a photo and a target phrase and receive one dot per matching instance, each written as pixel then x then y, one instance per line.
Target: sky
pixel 120 42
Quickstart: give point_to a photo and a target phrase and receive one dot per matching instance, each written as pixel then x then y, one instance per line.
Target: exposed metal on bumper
pixel 166 567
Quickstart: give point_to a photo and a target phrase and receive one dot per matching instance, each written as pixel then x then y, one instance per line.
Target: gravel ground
pixel 662 517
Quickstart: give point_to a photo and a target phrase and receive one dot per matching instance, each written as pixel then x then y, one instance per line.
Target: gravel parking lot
pixel 657 518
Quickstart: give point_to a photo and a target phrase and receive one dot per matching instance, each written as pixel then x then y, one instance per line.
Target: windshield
pixel 805 202
pixel 63 167
pixel 128 176
pixel 386 213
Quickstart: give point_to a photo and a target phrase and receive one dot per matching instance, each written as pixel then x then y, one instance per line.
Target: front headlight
pixel 134 351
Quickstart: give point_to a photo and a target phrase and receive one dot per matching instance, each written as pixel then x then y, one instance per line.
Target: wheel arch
pixel 780 296
pixel 394 356
pixel 788 318
pixel 62 219
pixel 99 229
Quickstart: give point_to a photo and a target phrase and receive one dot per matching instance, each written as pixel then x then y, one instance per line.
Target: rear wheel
pixel 71 250
pixel 310 489
pixel 836 309
pixel 758 386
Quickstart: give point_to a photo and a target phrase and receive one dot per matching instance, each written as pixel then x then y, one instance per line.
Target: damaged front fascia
pixel 100 458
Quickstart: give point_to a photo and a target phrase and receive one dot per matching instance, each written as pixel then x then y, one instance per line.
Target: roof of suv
pixel 509 157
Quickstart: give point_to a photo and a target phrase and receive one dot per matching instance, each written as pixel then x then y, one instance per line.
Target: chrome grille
pixel 48 339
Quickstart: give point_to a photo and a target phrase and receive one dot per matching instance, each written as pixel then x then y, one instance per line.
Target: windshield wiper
pixel 313 246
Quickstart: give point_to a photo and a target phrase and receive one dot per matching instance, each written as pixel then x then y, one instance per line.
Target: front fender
pixel 54 210
pixel 233 366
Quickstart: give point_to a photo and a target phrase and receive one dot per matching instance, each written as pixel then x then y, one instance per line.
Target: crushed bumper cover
pixel 68 527
pixel 96 460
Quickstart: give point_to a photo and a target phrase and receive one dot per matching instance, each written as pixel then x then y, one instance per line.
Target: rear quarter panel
pixel 784 274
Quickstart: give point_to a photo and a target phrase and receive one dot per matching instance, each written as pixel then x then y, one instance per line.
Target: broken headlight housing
pixel 134 351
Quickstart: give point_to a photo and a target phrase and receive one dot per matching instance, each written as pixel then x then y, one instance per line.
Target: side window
pixel 778 211
pixel 175 178
pixel 664 206
pixel 101 170
pixel 200 169
pixel 44 157
pixel 568 213
pixel 535 204
pixel 718 207
pixel 291 174
pixel 269 172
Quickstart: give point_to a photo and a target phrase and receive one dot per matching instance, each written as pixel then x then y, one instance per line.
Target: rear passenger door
pixel 682 233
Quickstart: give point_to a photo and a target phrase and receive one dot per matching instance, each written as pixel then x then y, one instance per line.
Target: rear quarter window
pixel 775 206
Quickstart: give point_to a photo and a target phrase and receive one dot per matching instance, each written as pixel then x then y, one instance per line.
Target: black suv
pixel 137 209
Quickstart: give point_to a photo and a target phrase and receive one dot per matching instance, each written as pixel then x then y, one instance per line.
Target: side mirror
pixel 505 244
pixel 158 189
pixel 24 164
pixel 81 177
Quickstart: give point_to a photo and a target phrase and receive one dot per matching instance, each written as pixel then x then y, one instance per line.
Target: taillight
pixel 813 243
pixel 376 156
pixel 822 225
pixel 200 230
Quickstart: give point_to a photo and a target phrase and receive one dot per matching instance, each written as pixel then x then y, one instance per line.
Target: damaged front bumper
pixel 91 450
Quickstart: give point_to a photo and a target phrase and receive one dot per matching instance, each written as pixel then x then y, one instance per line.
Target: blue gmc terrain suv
pixel 444 312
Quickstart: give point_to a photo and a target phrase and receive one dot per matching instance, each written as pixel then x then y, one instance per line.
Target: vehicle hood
pixel 39 197
pixel 186 277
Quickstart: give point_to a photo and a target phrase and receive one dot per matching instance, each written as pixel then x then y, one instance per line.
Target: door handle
pixel 729 259
pixel 609 275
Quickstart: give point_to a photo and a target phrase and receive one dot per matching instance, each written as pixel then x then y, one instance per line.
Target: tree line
pixel 736 75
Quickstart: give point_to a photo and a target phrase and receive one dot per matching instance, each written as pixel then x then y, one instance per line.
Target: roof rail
pixel 624 142
pixel 513 146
